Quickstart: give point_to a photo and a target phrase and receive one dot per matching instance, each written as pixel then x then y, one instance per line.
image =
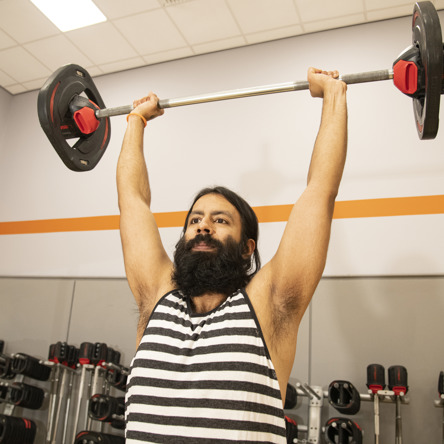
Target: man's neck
pixel 207 302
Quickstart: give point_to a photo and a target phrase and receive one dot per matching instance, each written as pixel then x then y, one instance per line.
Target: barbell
pixel 70 106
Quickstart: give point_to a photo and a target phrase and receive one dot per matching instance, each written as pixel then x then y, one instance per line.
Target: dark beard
pixel 222 271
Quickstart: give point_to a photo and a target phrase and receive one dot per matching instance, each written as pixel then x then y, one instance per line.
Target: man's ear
pixel 250 246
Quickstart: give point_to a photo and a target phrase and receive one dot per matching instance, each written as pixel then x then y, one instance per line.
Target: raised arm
pixel 147 265
pixel 328 158
pixel 295 270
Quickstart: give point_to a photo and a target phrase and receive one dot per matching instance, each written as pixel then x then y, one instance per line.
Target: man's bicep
pixel 147 265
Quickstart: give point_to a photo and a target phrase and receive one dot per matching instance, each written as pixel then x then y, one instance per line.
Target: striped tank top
pixel 203 378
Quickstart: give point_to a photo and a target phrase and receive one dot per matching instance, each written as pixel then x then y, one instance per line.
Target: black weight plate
pixel 344 397
pixel 291 397
pixel 427 37
pixel 343 431
pixel 58 123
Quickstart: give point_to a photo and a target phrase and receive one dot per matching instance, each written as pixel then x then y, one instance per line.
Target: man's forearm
pixel 329 153
pixel 132 174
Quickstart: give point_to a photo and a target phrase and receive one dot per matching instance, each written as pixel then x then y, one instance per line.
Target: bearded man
pixel 217 333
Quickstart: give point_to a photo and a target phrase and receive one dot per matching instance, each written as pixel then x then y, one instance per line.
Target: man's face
pixel 210 257
pixel 212 214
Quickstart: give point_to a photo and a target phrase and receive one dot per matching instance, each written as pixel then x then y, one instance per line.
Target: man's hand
pixel 319 81
pixel 147 106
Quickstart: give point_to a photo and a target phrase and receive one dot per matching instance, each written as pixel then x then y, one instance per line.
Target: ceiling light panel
pixel 70 14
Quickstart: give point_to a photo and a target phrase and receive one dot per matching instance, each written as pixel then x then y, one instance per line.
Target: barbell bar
pixel 70 106
pixel 362 77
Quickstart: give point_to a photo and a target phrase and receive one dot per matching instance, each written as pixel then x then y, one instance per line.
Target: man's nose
pixel 204 227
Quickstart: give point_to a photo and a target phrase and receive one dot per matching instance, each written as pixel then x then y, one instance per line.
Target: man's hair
pixel 250 225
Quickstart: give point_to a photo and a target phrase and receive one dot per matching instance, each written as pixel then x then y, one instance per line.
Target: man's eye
pixel 194 221
pixel 221 221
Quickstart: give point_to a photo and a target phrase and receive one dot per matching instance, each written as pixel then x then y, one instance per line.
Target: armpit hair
pixel 285 307
pixel 144 310
pixel 144 317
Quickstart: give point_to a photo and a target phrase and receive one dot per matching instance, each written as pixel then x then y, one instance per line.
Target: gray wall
pixel 352 322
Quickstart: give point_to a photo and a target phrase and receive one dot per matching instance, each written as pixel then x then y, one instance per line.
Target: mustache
pixel 207 239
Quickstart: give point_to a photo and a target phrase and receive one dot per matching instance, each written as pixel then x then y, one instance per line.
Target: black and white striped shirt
pixel 203 378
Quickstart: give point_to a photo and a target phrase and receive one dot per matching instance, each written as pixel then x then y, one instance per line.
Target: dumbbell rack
pixel 73 388
pixel 387 396
pixel 71 393
pixel 381 396
pixel 66 405
pixel 98 390
pixel 315 395
pixel 344 397
pixel 348 406
pixel 15 393
pixel 62 380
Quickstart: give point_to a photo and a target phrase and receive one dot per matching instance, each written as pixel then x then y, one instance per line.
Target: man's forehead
pixel 214 204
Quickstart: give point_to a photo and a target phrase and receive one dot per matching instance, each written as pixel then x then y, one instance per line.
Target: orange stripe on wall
pixel 60 225
pixel 398 206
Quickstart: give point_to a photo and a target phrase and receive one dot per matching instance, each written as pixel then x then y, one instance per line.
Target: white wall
pixel 258 146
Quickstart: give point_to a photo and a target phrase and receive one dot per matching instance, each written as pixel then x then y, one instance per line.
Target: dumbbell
pixel 113 356
pixel 86 437
pixel 117 376
pixel 397 376
pixel 344 397
pixel 64 354
pixel 3 391
pixel 5 367
pixel 104 358
pixel 342 431
pixel 25 395
pixel 16 430
pixel 26 365
pixel 107 409
pixel 376 383
pixel 291 397
pixel 100 356
pixel 291 428
pixel 101 353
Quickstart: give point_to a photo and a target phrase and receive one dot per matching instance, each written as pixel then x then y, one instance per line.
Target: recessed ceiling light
pixel 70 14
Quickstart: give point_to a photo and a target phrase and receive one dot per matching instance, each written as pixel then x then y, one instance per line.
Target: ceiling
pixel 145 32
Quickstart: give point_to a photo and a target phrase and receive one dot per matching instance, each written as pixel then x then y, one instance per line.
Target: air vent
pixel 166 3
